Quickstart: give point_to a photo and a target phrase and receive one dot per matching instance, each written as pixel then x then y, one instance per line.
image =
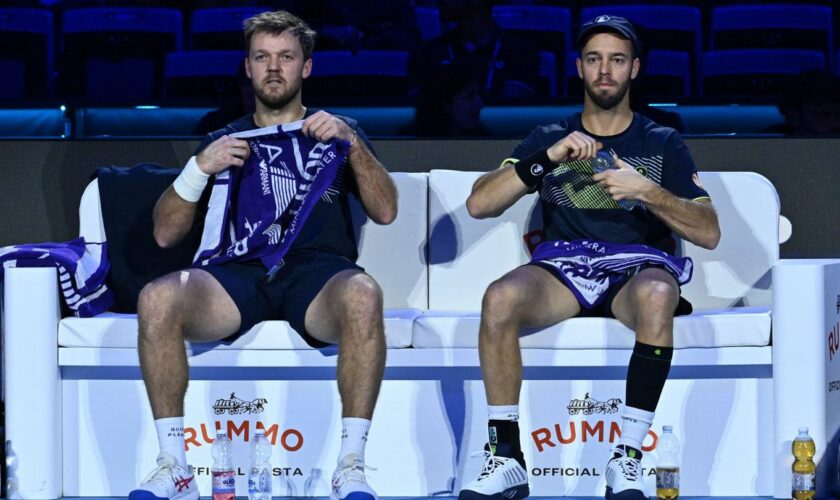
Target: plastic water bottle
pixel 224 477
pixel 804 470
pixel 259 474
pixel 668 465
pixel 605 161
pixel 314 483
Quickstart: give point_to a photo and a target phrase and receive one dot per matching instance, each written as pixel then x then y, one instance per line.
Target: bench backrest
pixel 394 254
pixel 466 254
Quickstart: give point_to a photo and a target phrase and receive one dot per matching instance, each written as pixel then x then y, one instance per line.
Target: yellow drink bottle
pixel 804 469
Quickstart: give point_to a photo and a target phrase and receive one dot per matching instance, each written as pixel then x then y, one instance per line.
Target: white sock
pixel 170 433
pixel 509 412
pixel 354 435
pixel 635 424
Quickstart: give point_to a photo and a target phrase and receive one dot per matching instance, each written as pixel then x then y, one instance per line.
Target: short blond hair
pixel 276 23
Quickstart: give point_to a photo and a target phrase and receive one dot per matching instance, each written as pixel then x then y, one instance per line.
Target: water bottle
pixel 11 471
pixel 314 483
pixel 668 465
pixel 224 477
pixel 605 161
pixel 259 474
pixel 804 470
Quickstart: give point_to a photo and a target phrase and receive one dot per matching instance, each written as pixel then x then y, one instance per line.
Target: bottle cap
pixel 803 430
pixel 667 428
pixel 259 432
pixel 221 433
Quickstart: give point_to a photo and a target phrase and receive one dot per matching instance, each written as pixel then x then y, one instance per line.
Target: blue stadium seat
pixel 139 121
pixel 26 53
pixel 219 28
pixel 343 77
pixel 203 73
pixel 572 85
pixel 773 27
pixel 116 54
pixel 754 72
pixel 548 28
pixel 837 63
pixel 548 73
pixel 428 20
pixel 667 74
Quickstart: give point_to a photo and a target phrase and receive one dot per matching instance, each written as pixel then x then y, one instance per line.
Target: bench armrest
pixel 33 383
pixel 806 360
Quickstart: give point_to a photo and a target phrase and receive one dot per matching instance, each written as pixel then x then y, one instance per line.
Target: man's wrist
pixel 650 195
pixel 533 168
pixel 191 181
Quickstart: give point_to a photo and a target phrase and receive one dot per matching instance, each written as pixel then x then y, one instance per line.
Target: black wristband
pixel 533 168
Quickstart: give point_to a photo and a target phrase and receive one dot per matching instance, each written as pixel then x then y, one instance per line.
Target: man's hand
pixel 222 153
pixel 575 146
pixel 324 127
pixel 624 182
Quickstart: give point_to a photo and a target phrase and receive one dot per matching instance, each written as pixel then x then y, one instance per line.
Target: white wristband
pixel 192 181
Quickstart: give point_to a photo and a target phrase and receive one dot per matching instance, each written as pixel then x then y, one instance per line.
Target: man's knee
pixel 361 295
pixel 156 303
pixel 501 302
pixel 655 302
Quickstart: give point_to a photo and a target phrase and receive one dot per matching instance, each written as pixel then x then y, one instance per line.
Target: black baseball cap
pixel 615 24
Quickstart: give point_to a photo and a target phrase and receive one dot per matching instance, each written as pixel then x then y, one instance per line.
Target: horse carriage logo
pixel 237 406
pixel 588 406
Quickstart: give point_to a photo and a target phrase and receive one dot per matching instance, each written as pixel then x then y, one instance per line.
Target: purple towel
pixel 257 210
pixel 82 269
pixel 591 268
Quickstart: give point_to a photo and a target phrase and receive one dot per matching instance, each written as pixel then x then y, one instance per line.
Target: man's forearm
pixel 173 218
pixel 695 221
pixel 495 192
pixel 376 188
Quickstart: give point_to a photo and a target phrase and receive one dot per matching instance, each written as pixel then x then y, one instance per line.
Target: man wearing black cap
pixel 608 252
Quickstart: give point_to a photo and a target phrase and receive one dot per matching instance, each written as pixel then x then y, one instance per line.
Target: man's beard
pixel 607 101
pixel 276 101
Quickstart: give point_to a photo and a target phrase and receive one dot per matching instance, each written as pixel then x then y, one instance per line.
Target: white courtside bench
pixel 78 421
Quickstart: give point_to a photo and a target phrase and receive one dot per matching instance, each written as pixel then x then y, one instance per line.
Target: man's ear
pixel 307 68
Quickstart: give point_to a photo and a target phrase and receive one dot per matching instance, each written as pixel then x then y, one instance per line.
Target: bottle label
pixel 667 478
pixel 804 482
pixel 224 482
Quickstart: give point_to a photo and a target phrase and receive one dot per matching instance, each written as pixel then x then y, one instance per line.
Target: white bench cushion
pixel 120 330
pixel 741 326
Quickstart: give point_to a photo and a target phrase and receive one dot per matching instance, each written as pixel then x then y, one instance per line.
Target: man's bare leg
pixel 528 296
pixel 348 310
pixel 646 304
pixel 185 305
